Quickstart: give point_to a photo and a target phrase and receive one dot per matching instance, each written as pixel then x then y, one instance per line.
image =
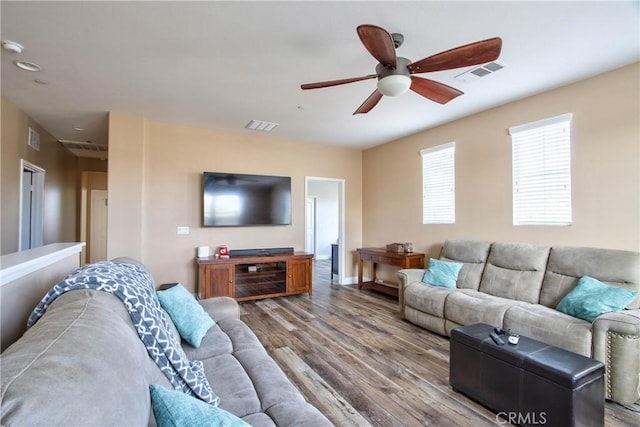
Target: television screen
pixel 232 199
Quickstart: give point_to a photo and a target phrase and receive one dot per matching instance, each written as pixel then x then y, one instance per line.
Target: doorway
pixel 31 211
pixel 97 237
pixel 324 215
pixel 93 216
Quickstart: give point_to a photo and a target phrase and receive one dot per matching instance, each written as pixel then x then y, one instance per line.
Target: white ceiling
pixel 218 65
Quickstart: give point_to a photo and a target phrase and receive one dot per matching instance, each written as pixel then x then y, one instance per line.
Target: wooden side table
pixel 381 256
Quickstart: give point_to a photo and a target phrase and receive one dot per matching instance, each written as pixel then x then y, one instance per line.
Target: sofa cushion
pixel 426 320
pixel 173 408
pixel 590 298
pixel 567 264
pixel 442 273
pixel 229 380
pixel 187 315
pixel 550 326
pixel 426 298
pixel 515 271
pixel 214 343
pixel 247 379
pixel 473 254
pixel 467 307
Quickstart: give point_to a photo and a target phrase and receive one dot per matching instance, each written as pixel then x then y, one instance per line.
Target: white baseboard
pixel 353 280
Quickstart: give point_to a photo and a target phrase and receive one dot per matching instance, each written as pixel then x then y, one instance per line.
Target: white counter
pixel 19 264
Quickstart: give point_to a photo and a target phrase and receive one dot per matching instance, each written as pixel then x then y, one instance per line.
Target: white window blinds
pixel 542 172
pixel 438 184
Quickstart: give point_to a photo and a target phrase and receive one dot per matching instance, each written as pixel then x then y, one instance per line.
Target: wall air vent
pixel 259 125
pixel 33 140
pixel 475 73
pixel 85 149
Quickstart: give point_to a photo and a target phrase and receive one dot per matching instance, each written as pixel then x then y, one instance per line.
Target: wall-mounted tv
pixel 233 199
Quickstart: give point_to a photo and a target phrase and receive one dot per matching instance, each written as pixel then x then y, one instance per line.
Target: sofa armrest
pixel 410 275
pixel 221 308
pixel 406 276
pixel 616 343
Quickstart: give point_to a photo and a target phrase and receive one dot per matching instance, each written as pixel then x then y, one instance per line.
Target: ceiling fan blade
pixel 336 82
pixel 462 56
pixel 369 103
pixel 379 44
pixel 435 91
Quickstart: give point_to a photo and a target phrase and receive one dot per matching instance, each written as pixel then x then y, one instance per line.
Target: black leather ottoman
pixel 530 383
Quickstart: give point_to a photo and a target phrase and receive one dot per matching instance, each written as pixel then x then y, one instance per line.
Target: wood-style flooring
pixel 359 363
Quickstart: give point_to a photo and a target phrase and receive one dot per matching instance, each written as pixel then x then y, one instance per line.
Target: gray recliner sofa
pixel 83 364
pixel 518 285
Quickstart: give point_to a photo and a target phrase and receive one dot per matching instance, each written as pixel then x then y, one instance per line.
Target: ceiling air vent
pixel 85 149
pixel 34 140
pixel 480 71
pixel 259 125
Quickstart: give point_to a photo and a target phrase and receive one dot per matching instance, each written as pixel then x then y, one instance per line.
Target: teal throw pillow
pixel 173 408
pixel 187 314
pixel 442 273
pixel 590 298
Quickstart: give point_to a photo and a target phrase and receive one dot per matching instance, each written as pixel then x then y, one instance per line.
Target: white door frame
pixel 37 207
pixel 310 214
pixel 341 220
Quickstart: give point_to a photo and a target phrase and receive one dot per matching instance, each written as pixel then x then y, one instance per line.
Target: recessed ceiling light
pixel 12 46
pixel 27 66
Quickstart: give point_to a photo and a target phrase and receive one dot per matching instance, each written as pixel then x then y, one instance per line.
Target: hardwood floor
pixel 356 360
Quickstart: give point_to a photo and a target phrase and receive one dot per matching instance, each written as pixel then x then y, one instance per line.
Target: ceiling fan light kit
pixel 395 74
pixel 394 85
pixel 394 81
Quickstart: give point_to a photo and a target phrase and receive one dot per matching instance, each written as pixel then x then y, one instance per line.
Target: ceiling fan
pixel 395 74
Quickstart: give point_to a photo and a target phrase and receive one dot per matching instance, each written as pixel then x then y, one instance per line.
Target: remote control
pixel 496 339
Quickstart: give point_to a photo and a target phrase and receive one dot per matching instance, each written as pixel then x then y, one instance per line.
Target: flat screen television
pixel 234 200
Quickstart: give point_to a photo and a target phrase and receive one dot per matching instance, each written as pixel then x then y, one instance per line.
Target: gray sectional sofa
pixel 519 285
pixel 83 364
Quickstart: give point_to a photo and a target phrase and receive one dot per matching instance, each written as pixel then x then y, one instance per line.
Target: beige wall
pixel 605 172
pixel 60 180
pixel 172 159
pixel 126 163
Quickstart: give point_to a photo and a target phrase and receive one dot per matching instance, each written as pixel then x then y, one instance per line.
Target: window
pixel 542 172
pixel 438 184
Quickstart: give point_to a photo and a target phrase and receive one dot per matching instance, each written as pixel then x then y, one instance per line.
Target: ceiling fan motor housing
pixel 400 70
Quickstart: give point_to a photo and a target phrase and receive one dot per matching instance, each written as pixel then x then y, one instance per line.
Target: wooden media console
pixel 248 277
